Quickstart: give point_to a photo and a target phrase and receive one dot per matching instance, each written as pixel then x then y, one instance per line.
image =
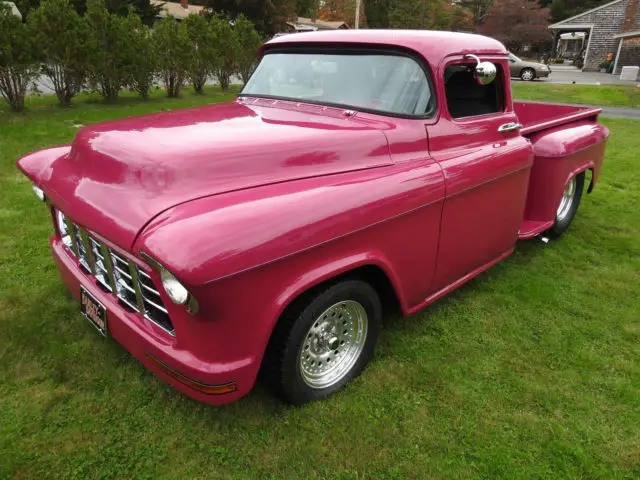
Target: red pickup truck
pixel 356 170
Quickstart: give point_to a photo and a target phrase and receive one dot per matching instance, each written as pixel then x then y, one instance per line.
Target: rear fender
pixel 560 154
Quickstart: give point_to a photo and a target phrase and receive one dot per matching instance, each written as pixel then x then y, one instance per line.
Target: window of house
pixel 467 98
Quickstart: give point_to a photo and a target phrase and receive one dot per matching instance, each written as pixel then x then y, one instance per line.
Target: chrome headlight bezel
pixel 39 192
pixel 171 285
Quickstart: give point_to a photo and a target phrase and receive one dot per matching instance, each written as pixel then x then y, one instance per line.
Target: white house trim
pixel 635 33
pixel 559 24
pixel 573 26
pixel 615 64
pixel 588 50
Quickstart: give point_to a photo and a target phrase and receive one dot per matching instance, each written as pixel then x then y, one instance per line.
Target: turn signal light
pixel 209 389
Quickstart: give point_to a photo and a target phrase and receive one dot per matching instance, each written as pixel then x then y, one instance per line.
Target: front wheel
pixel 324 342
pixel 527 74
pixel 568 206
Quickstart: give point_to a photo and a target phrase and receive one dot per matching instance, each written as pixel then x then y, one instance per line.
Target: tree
pixel 478 9
pixel 248 43
pixel 203 55
pixel 62 38
pixel 307 8
pixel 111 50
pixel 269 16
pixel 516 23
pixel 563 9
pixel 428 14
pixel 18 61
pixel 144 8
pixel 172 47
pixel 377 12
pixel 227 48
pixel 142 68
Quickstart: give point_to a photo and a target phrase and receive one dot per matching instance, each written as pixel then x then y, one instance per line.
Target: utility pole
pixel 357 25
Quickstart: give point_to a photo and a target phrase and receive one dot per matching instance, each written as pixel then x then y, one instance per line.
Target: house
pixel 613 28
pixel 179 11
pixel 303 24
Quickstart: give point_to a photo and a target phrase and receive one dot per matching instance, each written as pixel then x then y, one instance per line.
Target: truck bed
pixel 537 116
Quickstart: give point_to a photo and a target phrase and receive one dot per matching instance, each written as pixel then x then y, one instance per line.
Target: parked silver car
pixel 527 71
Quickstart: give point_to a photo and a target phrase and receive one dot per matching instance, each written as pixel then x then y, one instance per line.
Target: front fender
pixel 216 237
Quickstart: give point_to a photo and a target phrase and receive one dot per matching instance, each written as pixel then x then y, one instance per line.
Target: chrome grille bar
pixel 133 286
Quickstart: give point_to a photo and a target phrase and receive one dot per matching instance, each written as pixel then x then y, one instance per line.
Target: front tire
pixel 527 74
pixel 568 206
pixel 323 342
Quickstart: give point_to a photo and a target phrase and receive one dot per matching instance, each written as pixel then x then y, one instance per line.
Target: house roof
pixel 308 24
pixel 560 23
pixel 320 23
pixel 176 9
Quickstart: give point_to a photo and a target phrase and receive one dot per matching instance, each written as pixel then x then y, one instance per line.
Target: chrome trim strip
pixel 124 272
pixel 136 285
pixel 151 261
pixel 88 250
pixel 152 290
pixel 155 305
pixel 71 231
pixel 106 261
pixel 125 285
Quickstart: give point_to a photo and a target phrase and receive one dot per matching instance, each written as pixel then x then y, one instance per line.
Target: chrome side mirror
pixel 485 72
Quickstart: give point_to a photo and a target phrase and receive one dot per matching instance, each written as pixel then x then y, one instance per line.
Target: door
pixel 486 165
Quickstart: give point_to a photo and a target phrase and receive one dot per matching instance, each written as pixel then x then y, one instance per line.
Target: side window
pixel 467 98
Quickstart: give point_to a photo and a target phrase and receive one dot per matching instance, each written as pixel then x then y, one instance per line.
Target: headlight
pixel 176 291
pixel 38 191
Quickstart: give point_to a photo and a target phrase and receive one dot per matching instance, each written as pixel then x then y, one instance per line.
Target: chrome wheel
pixel 333 344
pixel 567 200
pixel 527 75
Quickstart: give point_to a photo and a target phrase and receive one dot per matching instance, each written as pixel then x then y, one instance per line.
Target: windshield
pixel 386 83
pixel 514 58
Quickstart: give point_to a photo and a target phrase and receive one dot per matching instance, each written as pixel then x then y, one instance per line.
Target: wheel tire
pixel 568 206
pixel 527 74
pixel 285 367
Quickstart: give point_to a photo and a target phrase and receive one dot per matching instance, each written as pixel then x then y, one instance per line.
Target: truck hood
pixel 117 176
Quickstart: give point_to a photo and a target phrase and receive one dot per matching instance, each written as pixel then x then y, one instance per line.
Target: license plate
pixel 93 311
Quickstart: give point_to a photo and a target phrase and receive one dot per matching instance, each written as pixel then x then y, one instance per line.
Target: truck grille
pixel 114 273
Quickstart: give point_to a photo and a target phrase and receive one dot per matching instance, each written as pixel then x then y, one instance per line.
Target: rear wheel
pixel 568 206
pixel 527 74
pixel 324 342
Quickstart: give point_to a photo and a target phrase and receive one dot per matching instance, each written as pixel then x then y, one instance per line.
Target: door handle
pixel 509 127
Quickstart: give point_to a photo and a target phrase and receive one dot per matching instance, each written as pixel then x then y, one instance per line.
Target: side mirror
pixel 485 72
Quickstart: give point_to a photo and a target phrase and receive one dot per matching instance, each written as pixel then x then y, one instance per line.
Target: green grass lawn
pixel 600 95
pixel 532 370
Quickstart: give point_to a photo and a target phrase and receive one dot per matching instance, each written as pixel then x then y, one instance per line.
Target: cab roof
pixel 432 45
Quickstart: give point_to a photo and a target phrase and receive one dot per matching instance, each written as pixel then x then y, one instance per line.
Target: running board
pixel 452 286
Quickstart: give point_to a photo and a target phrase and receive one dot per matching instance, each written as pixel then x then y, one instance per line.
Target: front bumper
pixel 542 73
pixel 157 350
